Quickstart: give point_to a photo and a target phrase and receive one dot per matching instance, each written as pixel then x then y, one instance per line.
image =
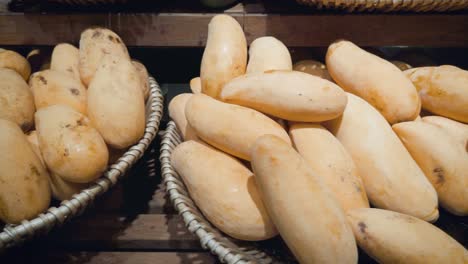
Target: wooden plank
pixel 363 29
pixel 190 29
pixel 150 258
pixel 160 204
pixel 111 232
pixel 39 29
pixel 166 29
pixel 92 257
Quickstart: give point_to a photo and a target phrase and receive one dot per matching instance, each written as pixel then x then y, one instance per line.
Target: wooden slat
pixel 175 30
pixel 92 257
pixel 38 29
pixel 295 25
pixel 110 232
pixel 160 204
pixel 363 29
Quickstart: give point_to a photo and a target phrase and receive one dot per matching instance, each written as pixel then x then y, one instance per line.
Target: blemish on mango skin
pixel 34 170
pixel 439 173
pixel 42 79
pixel 75 91
pixel 96 34
pixel 26 125
pixel 362 227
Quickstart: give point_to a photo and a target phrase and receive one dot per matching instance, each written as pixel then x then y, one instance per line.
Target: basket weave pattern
pixel 56 216
pixel 88 2
pixel 228 250
pixel 389 5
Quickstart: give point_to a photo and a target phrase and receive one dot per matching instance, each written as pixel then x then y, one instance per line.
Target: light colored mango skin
pixel 266 54
pixel 224 190
pixel 443 90
pixel 70 146
pixel 115 102
pixel 24 188
pixel 391 237
pixel 143 74
pixel 51 87
pixel 14 61
pixel 225 55
pixel 391 177
pixel 331 162
pixel 64 190
pixel 177 113
pixel 294 196
pixel 34 141
pixel 66 59
pixel 195 85
pixel 374 79
pixel 16 99
pixel 313 67
pixel 95 43
pixel 443 160
pixel 61 189
pixel 230 128
pixel 290 95
pixel 456 129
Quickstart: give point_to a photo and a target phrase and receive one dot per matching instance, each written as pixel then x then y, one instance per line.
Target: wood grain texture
pixel 116 232
pixel 185 24
pixel 363 29
pixel 92 257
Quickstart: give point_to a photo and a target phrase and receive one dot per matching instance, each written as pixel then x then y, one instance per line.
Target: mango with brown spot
pixel 51 87
pixel 443 90
pixel 392 179
pixel 70 145
pixel 95 43
pixel 24 186
pixel 443 159
pixel 391 237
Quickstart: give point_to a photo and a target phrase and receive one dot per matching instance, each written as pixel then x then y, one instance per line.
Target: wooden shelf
pixel 186 26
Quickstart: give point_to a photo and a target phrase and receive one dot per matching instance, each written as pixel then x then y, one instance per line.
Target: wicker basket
pixel 227 249
pixel 87 2
pixel 389 5
pixel 16 234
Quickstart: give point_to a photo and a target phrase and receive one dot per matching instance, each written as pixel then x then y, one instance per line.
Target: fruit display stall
pixel 136 222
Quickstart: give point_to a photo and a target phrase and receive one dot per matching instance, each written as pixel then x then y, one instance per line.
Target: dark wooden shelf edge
pixel 190 29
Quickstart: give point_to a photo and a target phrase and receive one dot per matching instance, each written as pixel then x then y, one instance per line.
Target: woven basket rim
pixel 210 237
pixel 389 5
pixel 13 235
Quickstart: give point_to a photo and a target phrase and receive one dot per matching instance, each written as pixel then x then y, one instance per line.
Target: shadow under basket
pixel 13 235
pixel 227 249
